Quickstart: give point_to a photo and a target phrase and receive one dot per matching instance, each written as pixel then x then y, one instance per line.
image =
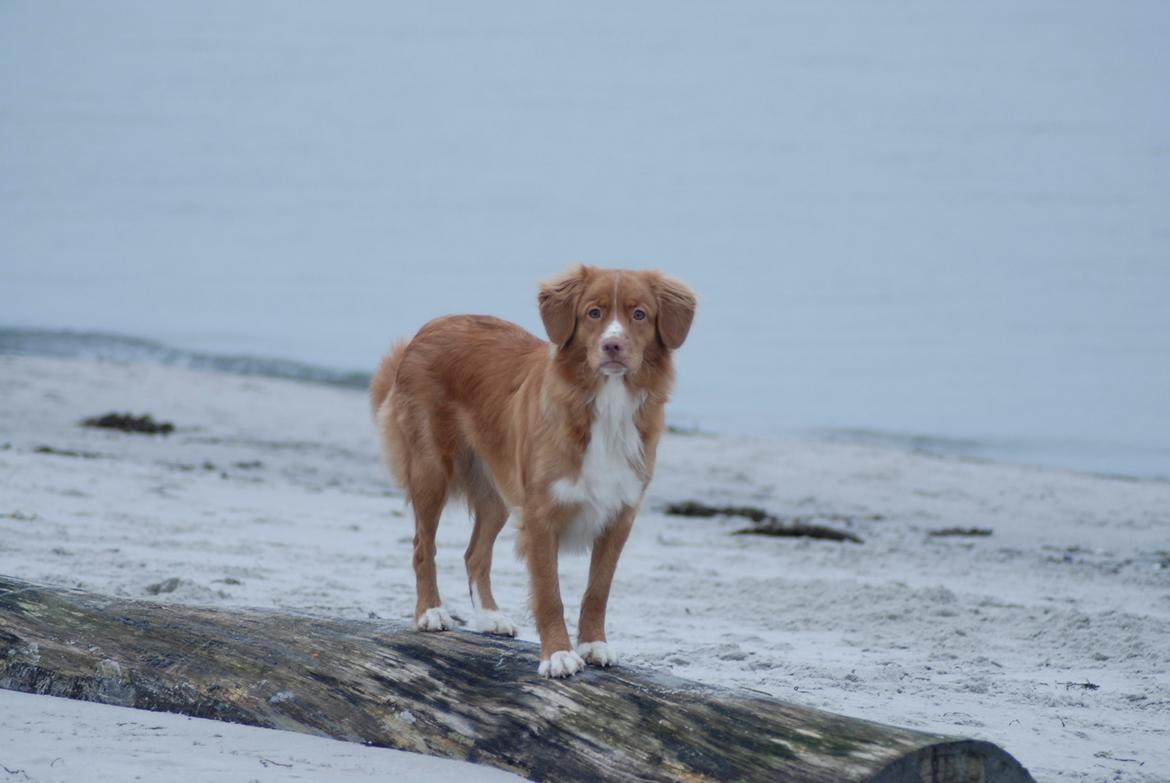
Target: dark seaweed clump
pixel 771 524
pixel 125 422
pixel 960 532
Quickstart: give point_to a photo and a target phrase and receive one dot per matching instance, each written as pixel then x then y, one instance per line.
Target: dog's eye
pixel 639 314
pixel 594 313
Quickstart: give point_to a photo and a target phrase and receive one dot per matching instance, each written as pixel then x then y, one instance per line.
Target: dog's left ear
pixel 558 304
pixel 676 310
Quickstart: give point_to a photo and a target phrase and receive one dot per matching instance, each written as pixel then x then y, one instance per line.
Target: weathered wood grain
pixel 459 695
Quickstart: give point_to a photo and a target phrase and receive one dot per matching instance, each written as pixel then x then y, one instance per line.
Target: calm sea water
pixel 938 226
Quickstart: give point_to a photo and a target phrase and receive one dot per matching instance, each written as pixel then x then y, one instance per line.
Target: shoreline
pixel 1077 456
pixel 269 493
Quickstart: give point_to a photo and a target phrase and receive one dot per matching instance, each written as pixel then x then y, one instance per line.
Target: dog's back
pixel 443 399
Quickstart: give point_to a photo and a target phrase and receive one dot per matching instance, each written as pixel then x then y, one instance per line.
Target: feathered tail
pixel 394 452
pixel 383 380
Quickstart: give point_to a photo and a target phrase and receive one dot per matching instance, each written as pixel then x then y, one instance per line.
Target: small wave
pixel 1127 461
pixel 916 442
pixel 96 345
pixel 1115 460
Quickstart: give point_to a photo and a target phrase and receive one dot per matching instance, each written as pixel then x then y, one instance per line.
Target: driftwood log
pixel 459 695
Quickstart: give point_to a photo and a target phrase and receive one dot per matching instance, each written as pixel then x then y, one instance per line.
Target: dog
pixel 562 434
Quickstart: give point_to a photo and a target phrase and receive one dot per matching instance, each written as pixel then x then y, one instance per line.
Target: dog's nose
pixel 613 347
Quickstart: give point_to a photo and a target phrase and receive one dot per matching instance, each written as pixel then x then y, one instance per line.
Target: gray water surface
pixel 939 226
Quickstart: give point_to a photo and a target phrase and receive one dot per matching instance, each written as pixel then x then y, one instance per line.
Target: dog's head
pixel 615 318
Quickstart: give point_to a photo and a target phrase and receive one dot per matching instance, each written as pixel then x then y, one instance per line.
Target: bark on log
pixel 460 695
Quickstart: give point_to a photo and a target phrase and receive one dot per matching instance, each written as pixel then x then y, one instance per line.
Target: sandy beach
pixel 1048 634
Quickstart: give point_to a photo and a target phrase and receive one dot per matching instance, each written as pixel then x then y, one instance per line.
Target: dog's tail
pixel 383 380
pixel 391 436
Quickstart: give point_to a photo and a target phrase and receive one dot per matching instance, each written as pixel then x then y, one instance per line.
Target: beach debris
pixel 126 422
pixel 165 586
pixel 796 528
pixel 187 467
pixel 693 508
pixel 66 452
pixel 676 429
pixel 960 532
pixel 772 524
pixel 1106 754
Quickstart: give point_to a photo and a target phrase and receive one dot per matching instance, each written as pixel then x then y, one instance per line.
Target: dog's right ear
pixel 558 304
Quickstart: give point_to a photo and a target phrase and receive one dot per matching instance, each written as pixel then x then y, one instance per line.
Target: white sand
pixel 50 740
pixel 974 636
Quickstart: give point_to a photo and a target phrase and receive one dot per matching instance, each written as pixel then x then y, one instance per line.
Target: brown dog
pixel 563 435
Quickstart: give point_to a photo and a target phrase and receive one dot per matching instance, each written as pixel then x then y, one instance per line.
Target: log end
pixel 955 761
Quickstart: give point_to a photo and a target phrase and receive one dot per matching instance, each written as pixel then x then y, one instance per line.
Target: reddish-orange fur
pixel 477 407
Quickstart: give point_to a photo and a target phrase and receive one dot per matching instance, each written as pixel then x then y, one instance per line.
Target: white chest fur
pixel 611 472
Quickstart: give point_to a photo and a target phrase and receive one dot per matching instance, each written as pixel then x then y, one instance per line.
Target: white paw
pixel 597 653
pixel 563 663
pixel 436 619
pixel 495 622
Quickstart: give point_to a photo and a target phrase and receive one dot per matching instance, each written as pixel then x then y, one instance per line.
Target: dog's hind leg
pixel 490 514
pixel 428 493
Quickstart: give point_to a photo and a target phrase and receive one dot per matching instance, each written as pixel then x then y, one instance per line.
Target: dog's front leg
pixel 591 642
pixel 542 543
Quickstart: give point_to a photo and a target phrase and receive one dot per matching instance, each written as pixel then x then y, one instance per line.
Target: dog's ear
pixel 558 304
pixel 676 310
